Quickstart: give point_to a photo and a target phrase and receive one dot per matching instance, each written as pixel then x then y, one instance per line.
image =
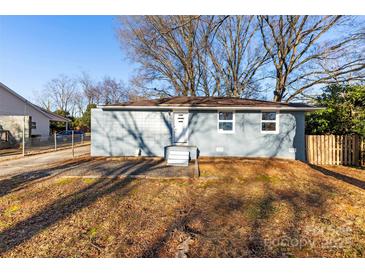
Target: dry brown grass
pixel 238 208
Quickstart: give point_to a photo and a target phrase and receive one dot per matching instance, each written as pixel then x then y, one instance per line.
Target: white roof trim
pixel 212 108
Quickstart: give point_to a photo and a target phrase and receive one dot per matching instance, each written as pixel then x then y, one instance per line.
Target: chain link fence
pixel 35 144
pixel 47 143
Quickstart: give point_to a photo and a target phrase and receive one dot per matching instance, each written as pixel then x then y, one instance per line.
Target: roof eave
pixel 307 109
pixel 59 120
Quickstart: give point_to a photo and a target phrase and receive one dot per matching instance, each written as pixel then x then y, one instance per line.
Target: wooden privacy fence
pixel 335 150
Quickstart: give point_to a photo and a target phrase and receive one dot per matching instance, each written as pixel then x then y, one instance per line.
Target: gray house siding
pixel 247 140
pixel 299 138
pixel 130 133
pixel 146 133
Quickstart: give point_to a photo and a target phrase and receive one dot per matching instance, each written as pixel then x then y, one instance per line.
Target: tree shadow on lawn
pixel 224 213
pixel 222 203
pixel 19 181
pixel 347 179
pixel 68 205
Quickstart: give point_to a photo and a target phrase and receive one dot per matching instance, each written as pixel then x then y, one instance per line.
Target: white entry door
pixel 181 121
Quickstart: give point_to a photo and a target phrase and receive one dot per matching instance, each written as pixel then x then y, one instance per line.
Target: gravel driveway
pixel 61 163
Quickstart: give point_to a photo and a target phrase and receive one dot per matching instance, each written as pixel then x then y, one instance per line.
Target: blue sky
pixel 36 49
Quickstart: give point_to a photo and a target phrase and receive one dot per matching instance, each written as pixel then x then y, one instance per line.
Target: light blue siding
pixel 248 140
pixel 299 138
pixel 131 133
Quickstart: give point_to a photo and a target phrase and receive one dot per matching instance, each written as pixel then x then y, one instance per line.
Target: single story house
pixel 17 113
pixel 205 126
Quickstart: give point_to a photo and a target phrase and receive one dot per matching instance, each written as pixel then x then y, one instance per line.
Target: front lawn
pixel 237 208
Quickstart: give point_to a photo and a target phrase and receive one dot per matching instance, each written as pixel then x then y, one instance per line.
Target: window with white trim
pixel 269 122
pixel 226 121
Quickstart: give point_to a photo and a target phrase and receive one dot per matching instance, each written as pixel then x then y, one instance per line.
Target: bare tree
pixel 165 48
pixel 90 89
pixel 59 93
pixel 311 50
pixel 79 103
pixel 236 55
pixel 107 91
pixel 195 55
pixel 43 100
pixel 72 95
pixel 113 92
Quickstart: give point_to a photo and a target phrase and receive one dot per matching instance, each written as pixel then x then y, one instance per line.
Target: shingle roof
pixel 185 101
pixel 54 116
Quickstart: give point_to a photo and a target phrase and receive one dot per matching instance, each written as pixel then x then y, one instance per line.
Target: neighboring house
pixel 17 113
pixel 205 126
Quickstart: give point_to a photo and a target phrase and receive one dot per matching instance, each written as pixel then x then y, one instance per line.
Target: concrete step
pixel 179 152
pixel 182 157
pixel 178 158
pixel 178 162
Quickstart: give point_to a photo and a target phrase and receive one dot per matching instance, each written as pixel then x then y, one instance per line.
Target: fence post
pixel 307 154
pixel 325 150
pixel 55 141
pixel 320 149
pixel 314 149
pixel 344 162
pixel 72 142
pixel 82 139
pixel 362 150
pixel 23 141
pixel 337 141
pixel 329 151
pixel 356 150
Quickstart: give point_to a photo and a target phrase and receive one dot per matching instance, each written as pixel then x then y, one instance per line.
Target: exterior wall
pixel 147 133
pixel 12 106
pixel 299 138
pixel 248 140
pixel 130 133
pixel 15 125
pixel 42 124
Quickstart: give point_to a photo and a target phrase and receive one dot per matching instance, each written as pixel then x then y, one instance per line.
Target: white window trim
pixel 233 122
pixel 276 121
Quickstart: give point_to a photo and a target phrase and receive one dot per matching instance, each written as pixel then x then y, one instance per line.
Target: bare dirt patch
pixel 237 208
